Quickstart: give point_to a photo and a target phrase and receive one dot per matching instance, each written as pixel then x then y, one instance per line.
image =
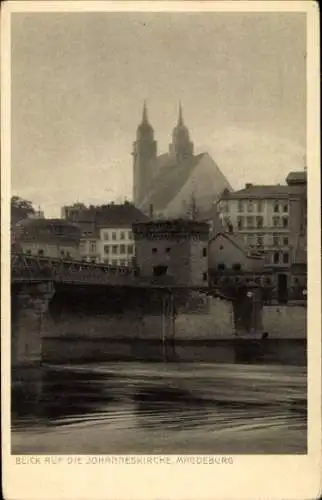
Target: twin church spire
pixel 146 163
pixel 181 145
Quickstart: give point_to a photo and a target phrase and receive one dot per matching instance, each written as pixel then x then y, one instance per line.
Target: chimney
pixel 248 185
pixel 151 211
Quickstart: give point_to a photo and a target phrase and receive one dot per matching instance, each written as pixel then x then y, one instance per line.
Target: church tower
pixel 144 154
pixel 181 147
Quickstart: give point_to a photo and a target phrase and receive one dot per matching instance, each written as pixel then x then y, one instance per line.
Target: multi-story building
pixel 270 219
pixel 107 232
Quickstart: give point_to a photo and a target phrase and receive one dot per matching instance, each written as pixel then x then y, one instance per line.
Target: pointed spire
pixel 145 113
pixel 180 118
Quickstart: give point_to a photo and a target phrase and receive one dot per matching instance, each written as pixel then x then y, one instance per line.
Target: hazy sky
pixel 79 81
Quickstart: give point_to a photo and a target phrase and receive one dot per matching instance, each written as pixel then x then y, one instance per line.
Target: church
pixel 177 183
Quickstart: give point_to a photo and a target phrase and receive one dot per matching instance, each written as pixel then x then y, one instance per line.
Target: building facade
pixel 173 250
pixel 272 220
pixel 107 232
pixel 53 238
pixel 169 181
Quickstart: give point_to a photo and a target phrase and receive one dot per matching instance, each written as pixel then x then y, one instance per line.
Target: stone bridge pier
pixel 29 310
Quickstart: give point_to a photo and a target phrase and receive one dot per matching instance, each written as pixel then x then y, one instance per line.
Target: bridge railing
pixel 33 267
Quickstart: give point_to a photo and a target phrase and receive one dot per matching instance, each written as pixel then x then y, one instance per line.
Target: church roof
pixel 169 180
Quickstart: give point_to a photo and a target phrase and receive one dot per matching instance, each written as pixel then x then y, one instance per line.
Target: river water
pixel 161 408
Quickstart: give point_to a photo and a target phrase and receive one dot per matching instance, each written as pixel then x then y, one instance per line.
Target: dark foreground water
pixel 177 407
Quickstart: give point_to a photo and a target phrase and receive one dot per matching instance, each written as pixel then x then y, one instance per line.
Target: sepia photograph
pixel 158 233
pixel 158 228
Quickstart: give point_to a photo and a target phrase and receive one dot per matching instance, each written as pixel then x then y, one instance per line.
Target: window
pixel 92 246
pixel 267 281
pixel 122 235
pixel 285 240
pixel 130 235
pixel 285 207
pixel 106 249
pixel 276 258
pixel 250 222
pixel 122 262
pixel 221 267
pixel 82 246
pixel 114 262
pixel 276 207
pixel 204 252
pixel 237 266
pixel 105 235
pixel 122 249
pixel 250 206
pixel 168 250
pixel 115 249
pixel 259 206
pixel 259 221
pixel 28 252
pixel 259 240
pixel 154 250
pixel 276 221
pixel 160 270
pixel 285 221
pixel 240 221
pixel 285 258
pixel 62 253
pixel 41 252
pixel 240 206
pixel 114 235
pixel 204 276
pixel 130 249
pixel 68 255
pixel 276 240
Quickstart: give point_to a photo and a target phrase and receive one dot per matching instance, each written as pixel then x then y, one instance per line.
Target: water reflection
pixel 153 407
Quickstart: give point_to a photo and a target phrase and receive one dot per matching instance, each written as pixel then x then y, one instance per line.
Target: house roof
pixel 263 192
pixel 112 215
pixel 238 242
